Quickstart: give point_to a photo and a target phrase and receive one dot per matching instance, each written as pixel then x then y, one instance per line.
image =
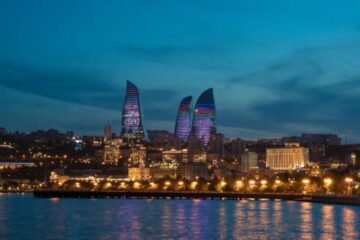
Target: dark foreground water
pixel 26 217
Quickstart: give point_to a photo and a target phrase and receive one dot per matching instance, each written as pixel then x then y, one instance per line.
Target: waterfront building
pixel 183 118
pixel 204 122
pixel 132 123
pixel 192 171
pixel 107 133
pixel 139 173
pixel 290 157
pixel 163 169
pixel 249 161
pixel 112 153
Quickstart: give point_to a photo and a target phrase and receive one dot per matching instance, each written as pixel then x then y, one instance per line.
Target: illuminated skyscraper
pixel 204 122
pixel 182 125
pixel 132 126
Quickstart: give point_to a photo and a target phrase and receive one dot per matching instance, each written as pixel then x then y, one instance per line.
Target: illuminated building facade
pixel 204 122
pixel 132 126
pixel 112 153
pixel 249 161
pixel 139 173
pixel 287 158
pixel 182 125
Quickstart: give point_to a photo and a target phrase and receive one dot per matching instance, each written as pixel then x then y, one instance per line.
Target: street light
pixel 306 181
pixel 277 181
pixel 263 182
pixel 252 182
pixel 328 181
pixel 349 181
pixel 239 183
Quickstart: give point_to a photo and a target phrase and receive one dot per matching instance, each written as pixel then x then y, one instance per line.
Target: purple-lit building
pixel 132 126
pixel 182 125
pixel 204 122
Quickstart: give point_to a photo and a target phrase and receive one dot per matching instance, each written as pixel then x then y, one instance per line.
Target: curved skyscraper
pixel 131 126
pixel 182 125
pixel 204 122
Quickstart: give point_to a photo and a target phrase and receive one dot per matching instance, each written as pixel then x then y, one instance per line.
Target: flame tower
pixel 182 125
pixel 132 126
pixel 204 122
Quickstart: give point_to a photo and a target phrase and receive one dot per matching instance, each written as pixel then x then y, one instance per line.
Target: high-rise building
pixel 132 125
pixel 204 122
pixel 290 157
pixel 249 161
pixel 107 133
pixel 182 125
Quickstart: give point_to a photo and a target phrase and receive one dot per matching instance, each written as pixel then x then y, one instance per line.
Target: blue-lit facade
pixel 204 122
pixel 132 125
pixel 183 120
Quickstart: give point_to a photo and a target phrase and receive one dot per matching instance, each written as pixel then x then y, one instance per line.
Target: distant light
pixel 349 180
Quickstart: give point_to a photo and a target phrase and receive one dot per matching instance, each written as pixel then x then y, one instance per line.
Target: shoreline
pixel 329 199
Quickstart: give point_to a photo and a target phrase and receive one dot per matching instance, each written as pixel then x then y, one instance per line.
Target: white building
pixel 287 158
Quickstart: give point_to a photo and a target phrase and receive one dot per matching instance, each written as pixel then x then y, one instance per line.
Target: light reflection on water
pixel 25 217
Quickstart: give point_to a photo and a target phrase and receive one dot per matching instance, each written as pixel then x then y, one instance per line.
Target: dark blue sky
pixel 277 67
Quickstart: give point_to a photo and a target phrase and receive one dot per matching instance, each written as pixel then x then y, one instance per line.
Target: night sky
pixel 278 67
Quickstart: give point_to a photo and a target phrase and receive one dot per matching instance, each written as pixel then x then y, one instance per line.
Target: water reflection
pixel 306 225
pixel 327 223
pixel 349 229
pixel 24 216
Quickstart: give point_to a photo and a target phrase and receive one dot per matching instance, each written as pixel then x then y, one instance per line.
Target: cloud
pixel 313 88
pixel 90 88
pixel 204 56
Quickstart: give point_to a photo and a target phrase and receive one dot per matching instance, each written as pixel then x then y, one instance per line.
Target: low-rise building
pixel 287 158
pixel 193 170
pixel 139 173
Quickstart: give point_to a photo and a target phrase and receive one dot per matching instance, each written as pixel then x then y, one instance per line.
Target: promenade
pixel 331 199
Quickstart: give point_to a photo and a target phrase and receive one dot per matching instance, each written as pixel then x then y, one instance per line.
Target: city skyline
pixel 274 72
